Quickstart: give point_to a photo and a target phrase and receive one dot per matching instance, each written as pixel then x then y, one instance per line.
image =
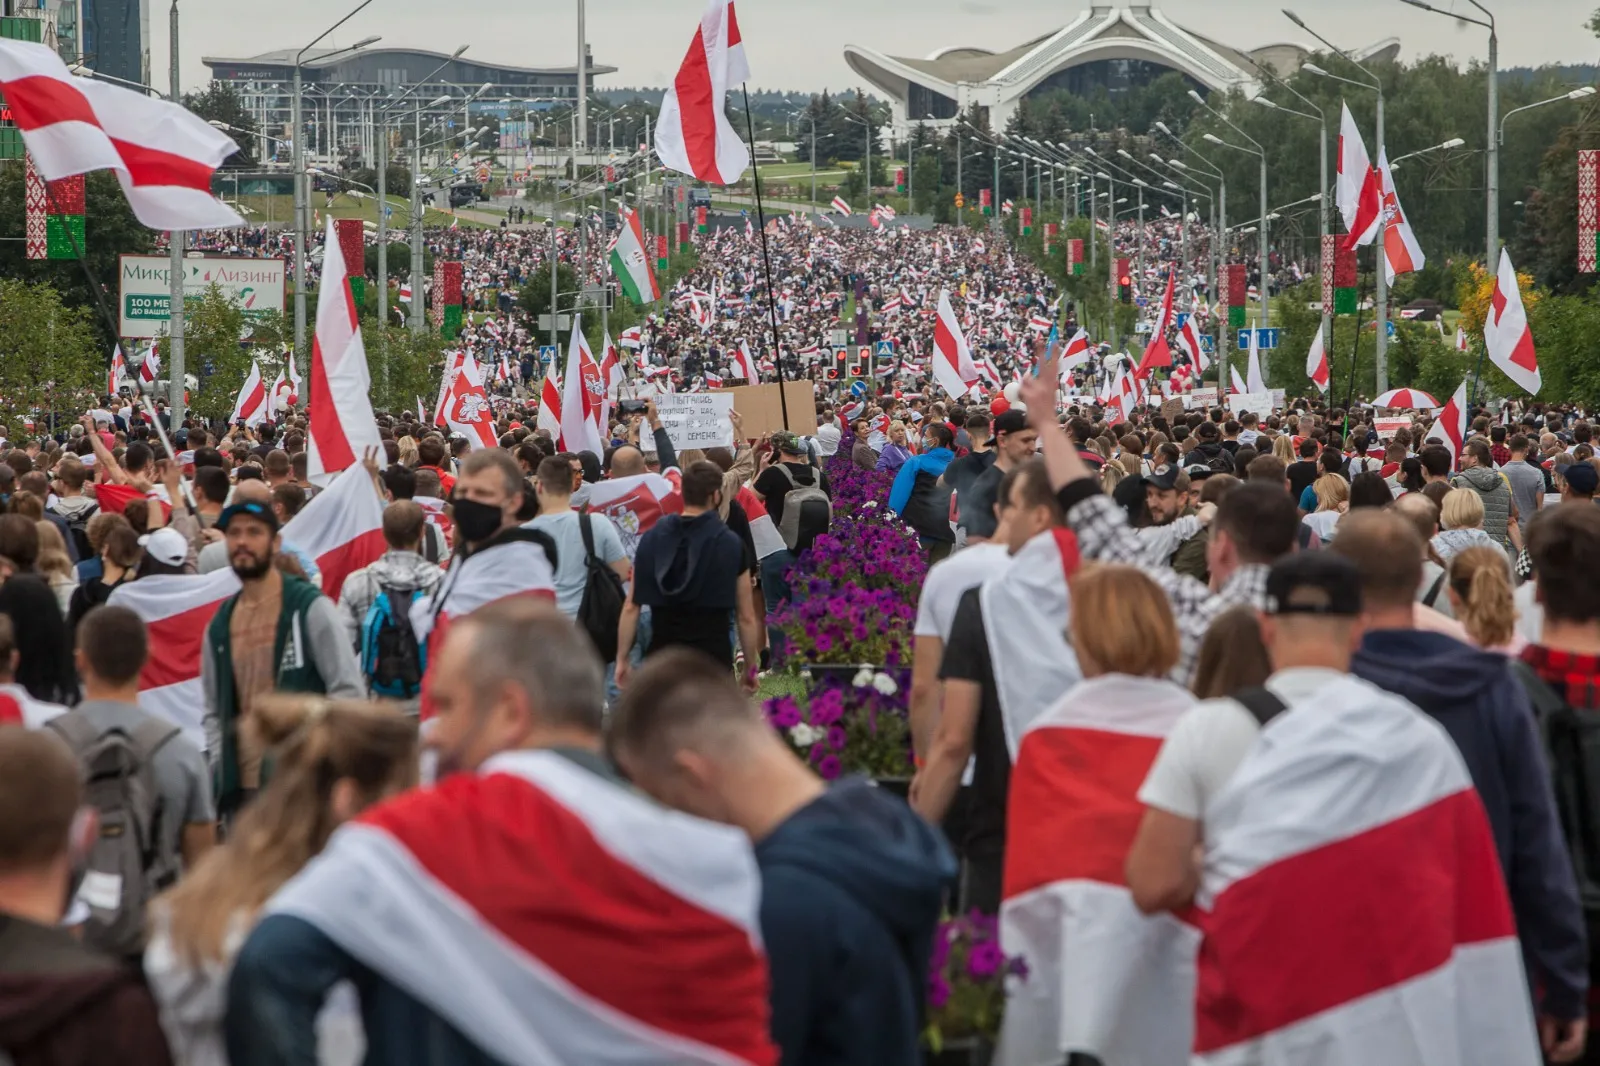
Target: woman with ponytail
pixel 1481 599
pixel 331 760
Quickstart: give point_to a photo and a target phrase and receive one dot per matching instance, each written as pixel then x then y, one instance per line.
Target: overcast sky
pixel 799 45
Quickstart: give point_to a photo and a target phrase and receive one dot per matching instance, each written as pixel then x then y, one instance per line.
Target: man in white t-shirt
pixel 1310 629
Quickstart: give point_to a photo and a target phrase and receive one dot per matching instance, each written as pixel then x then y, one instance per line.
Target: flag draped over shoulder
pixel 341 528
pixel 1025 613
pixel 553 917
pixel 1357 910
pixel 176 609
pixel 1103 979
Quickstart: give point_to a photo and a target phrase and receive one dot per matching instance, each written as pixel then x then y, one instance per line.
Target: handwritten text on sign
pixel 697 419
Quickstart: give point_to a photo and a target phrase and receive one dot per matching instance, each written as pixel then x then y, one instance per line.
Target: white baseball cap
pixel 165 546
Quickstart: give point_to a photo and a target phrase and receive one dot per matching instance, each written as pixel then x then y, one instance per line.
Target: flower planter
pixel 899 786
pixel 969 1051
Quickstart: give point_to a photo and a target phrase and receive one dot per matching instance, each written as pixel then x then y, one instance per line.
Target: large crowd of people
pixel 1264 734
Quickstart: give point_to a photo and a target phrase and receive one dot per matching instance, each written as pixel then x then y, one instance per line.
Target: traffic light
pixel 1124 282
pixel 841 365
pixel 961 201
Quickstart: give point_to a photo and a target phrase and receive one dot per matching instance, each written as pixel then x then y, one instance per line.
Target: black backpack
pixel 601 610
pixel 78 526
pixel 1572 745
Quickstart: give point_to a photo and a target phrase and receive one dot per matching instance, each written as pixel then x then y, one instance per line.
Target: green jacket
pixel 301 650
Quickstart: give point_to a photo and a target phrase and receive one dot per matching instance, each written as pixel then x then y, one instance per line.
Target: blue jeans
pixel 641 641
pixel 775 590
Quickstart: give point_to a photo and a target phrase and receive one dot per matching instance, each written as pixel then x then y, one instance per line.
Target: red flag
pixel 1158 353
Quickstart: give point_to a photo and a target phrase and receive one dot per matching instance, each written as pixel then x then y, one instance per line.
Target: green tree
pixel 50 356
pixel 110 231
pixel 534 296
pixel 221 102
pixel 217 345
pixel 404 366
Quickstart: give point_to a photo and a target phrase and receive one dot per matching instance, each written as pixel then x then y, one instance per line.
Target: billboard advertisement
pixel 144 286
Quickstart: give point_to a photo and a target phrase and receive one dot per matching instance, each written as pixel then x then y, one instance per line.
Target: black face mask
pixel 477 521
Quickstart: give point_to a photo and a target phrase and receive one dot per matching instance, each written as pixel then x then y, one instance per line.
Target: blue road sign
pixel 1180 318
pixel 884 349
pixel 1390 324
pixel 547 353
pixel 1208 343
pixel 1266 339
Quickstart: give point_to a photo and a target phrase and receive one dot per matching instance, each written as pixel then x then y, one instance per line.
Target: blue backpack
pixel 391 657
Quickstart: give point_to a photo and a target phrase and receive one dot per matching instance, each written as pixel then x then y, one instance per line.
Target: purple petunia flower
pixel 829 767
pixel 985 960
pixel 784 714
pixel 938 992
pixel 837 738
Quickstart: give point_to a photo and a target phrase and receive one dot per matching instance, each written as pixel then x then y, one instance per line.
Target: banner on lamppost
pixel 352 246
pixel 1588 210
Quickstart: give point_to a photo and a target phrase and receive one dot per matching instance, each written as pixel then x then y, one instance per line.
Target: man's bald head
pixel 252 491
pixel 627 461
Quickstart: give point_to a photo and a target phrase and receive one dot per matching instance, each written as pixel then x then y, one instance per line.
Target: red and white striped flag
pixel 1189 341
pixel 582 396
pixel 1401 252
pixel 295 392
pixel 1158 353
pixel 251 406
pixel 119 371
pixel 342 423
pixel 1030 601
pixel 763 531
pixel 341 527
pixel 1450 427
pixel 953 368
pixel 549 417
pixel 1507 337
pixel 1103 979
pixel 840 206
pixel 636 503
pixel 1076 353
pixel 176 609
pixel 1350 849
pixel 1359 191
pixel 164 156
pixel 744 365
pixel 1317 362
pixel 693 135
pixel 547 912
pixel 713 381
pixel 1039 323
pixel 150 366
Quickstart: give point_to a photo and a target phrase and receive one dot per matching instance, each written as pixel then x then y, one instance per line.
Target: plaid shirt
pixel 1104 536
pixel 1574 677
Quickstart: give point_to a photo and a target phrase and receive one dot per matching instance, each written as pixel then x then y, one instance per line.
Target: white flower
pixel 804 735
pixel 885 684
pixel 863 677
pixel 869 503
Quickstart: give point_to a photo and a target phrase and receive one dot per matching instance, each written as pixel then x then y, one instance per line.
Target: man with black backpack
pixel 376 605
pixel 73 505
pixel 591 564
pixel 798 500
pixel 148 783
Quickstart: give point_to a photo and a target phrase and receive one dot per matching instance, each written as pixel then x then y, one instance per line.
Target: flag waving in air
pixel 341 528
pixel 1359 196
pixel 251 406
pixel 150 367
pixel 466 407
pixel 1317 362
pixel 1189 341
pixel 1506 333
pixel 1158 353
pixel 342 424
pixel 582 397
pixel 550 403
pixel 953 367
pixel 840 206
pixel 1401 252
pixel 1450 427
pixel 176 609
pixel 1257 380
pixel 164 155
pixel 1076 353
pixel 694 135
pixel 630 264
pixel 119 371
pixel 744 366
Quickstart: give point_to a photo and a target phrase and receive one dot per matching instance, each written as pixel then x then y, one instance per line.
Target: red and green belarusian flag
pixel 631 265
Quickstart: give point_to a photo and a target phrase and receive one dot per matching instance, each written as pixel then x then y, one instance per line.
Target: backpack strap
pixel 1261 702
pixel 75 729
pixel 586 527
pixel 150 736
pixel 787 473
pixel 1546 701
pixel 1433 590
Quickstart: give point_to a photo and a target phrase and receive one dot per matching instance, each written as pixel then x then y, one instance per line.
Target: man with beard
pixel 277 634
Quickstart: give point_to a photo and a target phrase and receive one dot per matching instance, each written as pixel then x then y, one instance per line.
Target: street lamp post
pixel 1322 177
pixel 1261 154
pixel 175 298
pixel 302 210
pixel 1381 281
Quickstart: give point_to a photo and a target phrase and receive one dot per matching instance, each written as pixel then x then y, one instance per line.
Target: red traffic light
pixel 1124 280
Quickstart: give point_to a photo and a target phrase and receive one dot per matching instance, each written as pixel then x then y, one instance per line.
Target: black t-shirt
pixel 960 475
pixel 977 503
pixel 1301 475
pixel 773 486
pixel 966 658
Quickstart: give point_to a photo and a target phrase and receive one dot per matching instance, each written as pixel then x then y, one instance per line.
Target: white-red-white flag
pixel 549 417
pixel 176 609
pixel 611 379
pixel 1158 353
pixel 953 368
pixel 744 365
pixel 1031 600
pixel 1358 188
pixel 636 503
pixel 341 527
pixel 467 410
pixel 1302 847
pixel 1099 971
pixel 552 916
pixel 693 135
pixel 1256 379
pixel 1189 341
pixel 1076 353
pixel 1236 383
pixel 276 395
pixel 840 206
pixel 119 371
pixel 296 393
pixel 1507 337
pixel 163 155
pixel 452 367
pixel 1402 253
pixel 342 423
pixel 582 397
pixel 1317 362
pixel 251 406
pixel 1450 427
pixel 150 365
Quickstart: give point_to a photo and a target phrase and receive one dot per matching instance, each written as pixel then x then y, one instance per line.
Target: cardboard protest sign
pixel 697 419
pixel 1259 403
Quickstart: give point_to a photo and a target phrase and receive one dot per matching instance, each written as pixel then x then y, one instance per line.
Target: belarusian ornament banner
pixel 1588 210
pixel 1075 255
pixel 352 246
pixel 52 215
pixel 1238 291
pixel 447 276
pixel 1346 291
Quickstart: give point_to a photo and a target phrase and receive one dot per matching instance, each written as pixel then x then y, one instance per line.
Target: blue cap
pixel 251 509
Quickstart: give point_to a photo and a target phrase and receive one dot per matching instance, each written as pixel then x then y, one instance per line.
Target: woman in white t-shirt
pixel 1333 499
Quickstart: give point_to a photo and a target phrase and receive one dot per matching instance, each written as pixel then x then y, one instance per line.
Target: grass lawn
pixel 781 684
pixel 281 209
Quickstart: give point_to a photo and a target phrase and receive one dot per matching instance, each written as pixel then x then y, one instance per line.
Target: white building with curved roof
pixel 1114 46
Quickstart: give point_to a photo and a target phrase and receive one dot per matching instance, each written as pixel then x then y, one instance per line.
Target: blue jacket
pixel 933 461
pixel 1481 704
pixel 851 888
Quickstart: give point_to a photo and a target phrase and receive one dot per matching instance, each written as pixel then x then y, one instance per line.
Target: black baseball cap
pixel 1198 471
pixel 251 509
pixel 1010 420
pixel 1314 583
pixel 1582 478
pixel 1163 477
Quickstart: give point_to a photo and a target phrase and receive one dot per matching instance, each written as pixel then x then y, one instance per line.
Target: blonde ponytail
pixel 1481 580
